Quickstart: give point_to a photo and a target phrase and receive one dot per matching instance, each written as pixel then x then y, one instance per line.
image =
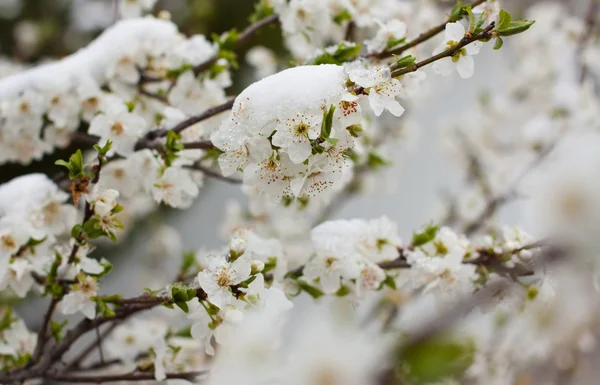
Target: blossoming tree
pixel 463 300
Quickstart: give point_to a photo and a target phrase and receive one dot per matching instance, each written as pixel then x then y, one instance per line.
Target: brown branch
pixel 212 173
pixel 91 347
pixel 494 204
pixel 420 39
pixel 96 379
pixel 42 337
pixel 485 34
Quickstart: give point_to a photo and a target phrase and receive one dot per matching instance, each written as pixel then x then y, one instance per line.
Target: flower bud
pixel 233 315
pixel 257 266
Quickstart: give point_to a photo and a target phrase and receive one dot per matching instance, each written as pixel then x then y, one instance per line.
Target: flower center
pixel 223 279
pixel 9 242
pixel 117 128
pixel 301 129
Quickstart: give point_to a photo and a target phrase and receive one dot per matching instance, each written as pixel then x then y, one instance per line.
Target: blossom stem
pixel 425 36
pixel 212 173
pixel 485 34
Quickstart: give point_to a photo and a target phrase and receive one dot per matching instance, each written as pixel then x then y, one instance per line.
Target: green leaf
pixel 191 293
pixel 425 236
pixel 56 329
pixel 311 290
pixel 499 43
pixel 457 12
pixel 185 332
pixel 172 147
pixel 389 282
pixel 183 306
pixel 405 61
pixel 436 359
pixel 262 9
pixel 392 42
pixel 375 161
pixel 178 294
pixel 343 291
pixel 102 151
pixel 355 130
pixel 188 259
pixel 504 20
pixel 74 165
pixel 332 141
pixel 130 106
pixel 270 264
pixel 327 123
pixel 342 16
pixel 7 319
pixel 516 27
pixel 343 53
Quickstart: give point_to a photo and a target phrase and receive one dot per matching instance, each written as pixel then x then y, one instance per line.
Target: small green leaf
pixel 188 259
pixel 178 294
pixel 343 291
pixel 355 130
pixel 499 43
pixel 436 359
pixel 191 293
pixel 262 9
pixel 130 106
pixel 56 329
pixel 7 319
pixel 457 12
pixel 102 151
pixel 405 61
pixel 425 236
pixel 375 161
pixel 393 42
pixel 74 165
pixel 183 306
pixel 311 290
pixel 515 28
pixel 389 282
pixel 504 20
pixel 327 123
pixel 342 16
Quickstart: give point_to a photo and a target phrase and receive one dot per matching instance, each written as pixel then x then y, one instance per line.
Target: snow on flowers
pixel 290 133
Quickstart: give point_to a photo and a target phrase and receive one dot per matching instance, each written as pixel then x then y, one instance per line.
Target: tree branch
pixel 212 173
pixel 485 34
pixel 420 39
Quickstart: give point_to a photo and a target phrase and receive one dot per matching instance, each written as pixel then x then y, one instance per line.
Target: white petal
pixel 474 48
pixel 330 282
pixel 466 67
pixel 394 107
pixel 376 103
pixel 297 184
pixel 454 31
pixel 443 66
pixel 260 148
pixel 299 152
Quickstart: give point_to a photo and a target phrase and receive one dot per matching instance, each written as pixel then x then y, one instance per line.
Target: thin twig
pixel 420 39
pixel 485 34
pixel 212 173
pixel 42 337
pixel 91 347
